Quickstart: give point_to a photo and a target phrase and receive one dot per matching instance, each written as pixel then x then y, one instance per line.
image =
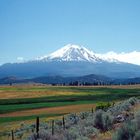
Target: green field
pixel 79 95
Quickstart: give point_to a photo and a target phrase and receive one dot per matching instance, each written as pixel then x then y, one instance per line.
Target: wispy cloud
pixel 20 59
pixel 131 57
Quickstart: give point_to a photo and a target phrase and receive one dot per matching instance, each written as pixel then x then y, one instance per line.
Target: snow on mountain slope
pixel 71 60
pixel 72 53
pixel 79 53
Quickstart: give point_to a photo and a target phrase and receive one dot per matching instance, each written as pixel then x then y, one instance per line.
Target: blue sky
pixel 31 28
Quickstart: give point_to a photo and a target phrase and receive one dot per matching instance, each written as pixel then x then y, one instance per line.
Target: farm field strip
pixel 53 110
pixel 22 92
pixel 31 94
pixel 90 96
pixel 12 108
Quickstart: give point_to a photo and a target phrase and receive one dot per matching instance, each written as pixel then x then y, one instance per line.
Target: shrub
pixel 103 105
pixel 123 106
pixel 137 135
pixel 137 120
pixel 98 121
pixel 126 132
pixel 133 100
pixel 131 129
pixel 107 121
pixel 103 120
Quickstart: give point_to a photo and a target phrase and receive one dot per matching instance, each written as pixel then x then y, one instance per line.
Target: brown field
pixel 52 110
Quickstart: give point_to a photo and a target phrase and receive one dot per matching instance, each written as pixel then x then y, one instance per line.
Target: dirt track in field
pixel 52 110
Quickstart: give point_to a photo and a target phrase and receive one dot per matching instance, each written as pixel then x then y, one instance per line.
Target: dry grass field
pixel 32 91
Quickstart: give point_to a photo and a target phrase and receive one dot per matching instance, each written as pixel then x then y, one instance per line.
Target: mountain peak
pixel 73 46
pixel 72 52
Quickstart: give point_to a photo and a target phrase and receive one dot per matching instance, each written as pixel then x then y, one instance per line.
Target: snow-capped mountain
pixel 71 60
pixel 77 53
pixel 72 53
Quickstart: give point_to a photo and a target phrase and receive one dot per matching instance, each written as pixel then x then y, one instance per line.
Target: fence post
pixel 12 134
pixel 92 110
pixel 83 115
pixel 52 127
pixel 63 122
pixel 37 126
